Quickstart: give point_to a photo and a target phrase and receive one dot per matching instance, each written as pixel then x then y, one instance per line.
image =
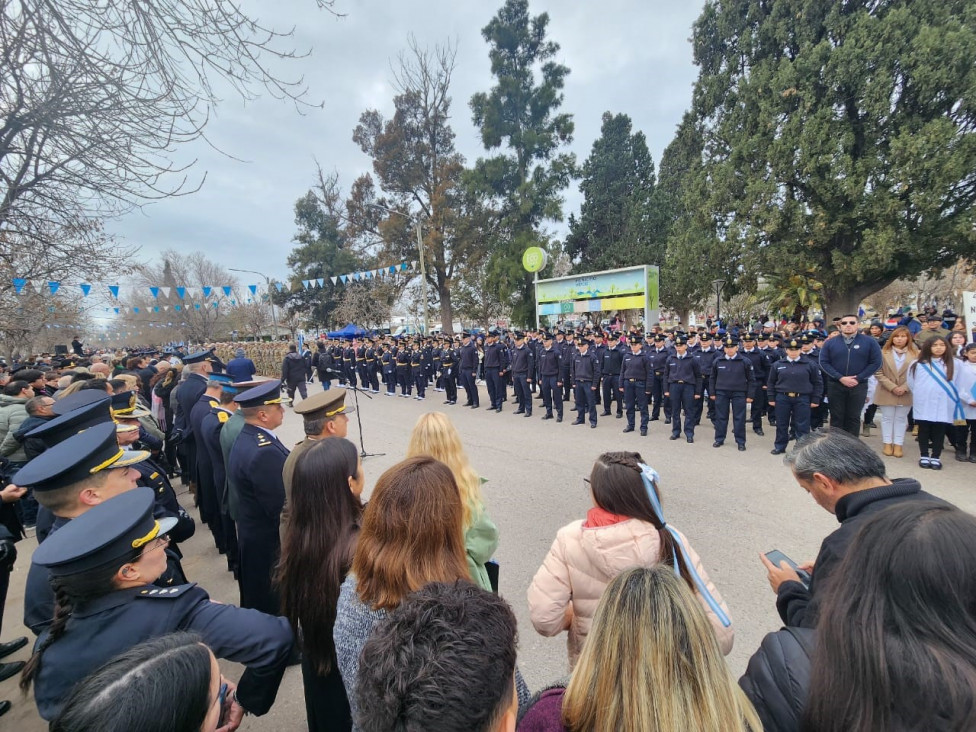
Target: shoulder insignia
pixel 222 416
pixel 213 403
pixel 263 439
pixel 154 475
pixel 153 593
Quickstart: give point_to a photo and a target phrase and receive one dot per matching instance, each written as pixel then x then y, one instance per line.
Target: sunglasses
pixel 848 322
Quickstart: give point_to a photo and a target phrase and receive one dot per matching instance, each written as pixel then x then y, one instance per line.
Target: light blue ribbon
pixel 651 478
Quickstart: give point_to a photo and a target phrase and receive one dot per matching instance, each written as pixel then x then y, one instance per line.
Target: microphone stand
pixel 332 373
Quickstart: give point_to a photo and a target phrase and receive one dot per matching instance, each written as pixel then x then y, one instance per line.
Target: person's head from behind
pixel 412 533
pixel 167 684
pixel 443 660
pixel 896 640
pixel 651 662
pixel 830 464
pixel 435 435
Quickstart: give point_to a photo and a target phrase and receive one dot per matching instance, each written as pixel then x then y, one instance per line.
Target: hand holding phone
pixel 776 557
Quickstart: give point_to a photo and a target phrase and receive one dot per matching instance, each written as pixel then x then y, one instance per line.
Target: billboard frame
pixel 585 299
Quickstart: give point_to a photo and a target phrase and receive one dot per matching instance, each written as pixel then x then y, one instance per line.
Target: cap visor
pixel 121 427
pixel 346 409
pixel 130 457
pixel 166 524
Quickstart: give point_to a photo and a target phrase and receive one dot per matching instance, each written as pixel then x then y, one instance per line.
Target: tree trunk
pixel 447 309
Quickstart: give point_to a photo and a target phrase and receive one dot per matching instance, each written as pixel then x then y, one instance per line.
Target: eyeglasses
pixel 158 542
pixel 848 322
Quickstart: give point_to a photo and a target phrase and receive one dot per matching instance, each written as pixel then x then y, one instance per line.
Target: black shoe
pixel 4 707
pixel 528 414
pixel 592 425
pixel 10 669
pixel 519 411
pixel 674 437
pixel 620 415
pixel 717 443
pixel 578 421
pixel 559 418
pixel 960 456
pixel 776 451
pixel 15 645
pixel 690 440
pixel 667 420
pixel 548 416
pixel 498 409
pixel 628 429
pixel 468 404
pixel 655 419
pixel 643 432
pixel 742 448
pixel 772 423
pixel 604 414
pixel 758 431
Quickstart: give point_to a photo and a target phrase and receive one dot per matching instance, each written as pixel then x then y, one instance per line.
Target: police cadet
pixel 523 371
pixel 733 381
pixel 349 363
pixel 373 366
pixel 610 365
pixel 550 377
pixel 760 368
pixel 102 566
pixel 635 383
pixel 585 375
pixel 388 364
pixel 569 353
pixel 706 356
pixel 200 365
pixel 658 355
pixel 769 345
pixel 598 347
pixel 495 369
pixel 254 468
pixel 468 366
pixel 795 387
pixel 418 374
pixel 403 370
pixel 436 354
pixel 809 349
pixel 206 491
pixel 683 377
pixel 448 366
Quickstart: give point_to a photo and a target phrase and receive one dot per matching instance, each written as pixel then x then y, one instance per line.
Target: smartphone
pixel 776 557
pixel 221 698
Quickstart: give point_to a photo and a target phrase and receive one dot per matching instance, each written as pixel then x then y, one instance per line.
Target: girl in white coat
pixel 935 399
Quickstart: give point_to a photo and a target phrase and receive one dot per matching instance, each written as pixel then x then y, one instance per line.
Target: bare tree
pixel 364 303
pixel 942 288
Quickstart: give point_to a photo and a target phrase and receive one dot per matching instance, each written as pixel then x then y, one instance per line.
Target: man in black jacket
pixel 846 477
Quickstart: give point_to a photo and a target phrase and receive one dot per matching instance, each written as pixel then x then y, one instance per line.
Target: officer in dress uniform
pixel 732 384
pixel 448 366
pixel 418 373
pixel 495 365
pixel 706 356
pixel 550 376
pixel 523 371
pixel 349 363
pixel 585 375
pixel 795 387
pixel 810 350
pixel 100 619
pixel 683 376
pixel 372 365
pixel 200 366
pixel 612 358
pixel 468 366
pixel 658 355
pixel 635 383
pixel 210 429
pixel 569 353
pixel 760 367
pixel 254 468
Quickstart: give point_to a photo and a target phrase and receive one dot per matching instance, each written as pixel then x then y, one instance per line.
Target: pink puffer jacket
pixel 580 564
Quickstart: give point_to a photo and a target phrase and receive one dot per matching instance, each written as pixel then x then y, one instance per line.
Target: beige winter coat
pixel 581 563
pixel 889 376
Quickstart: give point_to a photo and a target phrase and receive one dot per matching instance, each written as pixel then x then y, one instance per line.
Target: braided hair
pixel 618 488
pixel 70 591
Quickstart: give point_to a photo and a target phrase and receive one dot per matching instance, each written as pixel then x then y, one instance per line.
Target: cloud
pixel 623 56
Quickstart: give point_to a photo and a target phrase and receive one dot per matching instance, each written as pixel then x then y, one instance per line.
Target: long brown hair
pixel 317 548
pixel 910 348
pixel 925 356
pixel 412 533
pixel 618 488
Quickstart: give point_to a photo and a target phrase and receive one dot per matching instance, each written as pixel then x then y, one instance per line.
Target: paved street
pixel 731 505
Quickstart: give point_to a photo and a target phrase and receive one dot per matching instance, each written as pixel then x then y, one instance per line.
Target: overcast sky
pixel 624 56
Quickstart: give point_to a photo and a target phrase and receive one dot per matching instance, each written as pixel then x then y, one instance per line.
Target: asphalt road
pixel 731 505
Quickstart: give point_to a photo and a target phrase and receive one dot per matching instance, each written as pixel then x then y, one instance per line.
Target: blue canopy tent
pixel 350 331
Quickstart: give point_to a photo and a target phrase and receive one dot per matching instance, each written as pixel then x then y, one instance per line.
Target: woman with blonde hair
pixel 651 662
pixel 435 435
pixel 892 394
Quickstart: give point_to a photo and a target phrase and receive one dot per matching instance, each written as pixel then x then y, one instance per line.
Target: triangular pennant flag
pixel 196 305
pixel 233 302
pixel 165 308
pixel 227 290
pixel 344 278
pixel 19 283
pixel 39 286
pixel 334 279
pixel 180 292
pixel 85 289
pixel 53 286
pixel 114 289
pixel 156 309
pixel 253 289
pixel 413 265
pixel 305 284
pixel 166 291
pixel 403 266
pixel 116 310
pixel 154 291
pixel 280 286
pixel 214 303
pixel 321 281
pixel 135 310
pixel 392 268
pixel 176 308
pixel 206 291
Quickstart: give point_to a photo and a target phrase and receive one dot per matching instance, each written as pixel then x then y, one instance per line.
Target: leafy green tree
pixel 520 113
pixel 840 137
pixel 617 225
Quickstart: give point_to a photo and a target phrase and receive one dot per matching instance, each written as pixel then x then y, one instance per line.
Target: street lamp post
pixel 274 317
pixel 423 262
pixel 718 284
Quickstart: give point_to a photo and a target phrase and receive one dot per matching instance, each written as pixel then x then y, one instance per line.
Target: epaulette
pixel 222 416
pixel 156 592
pixel 264 440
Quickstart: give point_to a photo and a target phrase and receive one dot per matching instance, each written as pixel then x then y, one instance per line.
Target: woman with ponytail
pixel 625 528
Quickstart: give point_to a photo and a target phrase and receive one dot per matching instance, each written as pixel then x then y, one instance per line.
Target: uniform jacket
pixel 580 564
pixel 585 367
pixel 777 679
pixel 188 393
pixel 732 374
pixel 802 377
pixel 241 369
pixel 890 376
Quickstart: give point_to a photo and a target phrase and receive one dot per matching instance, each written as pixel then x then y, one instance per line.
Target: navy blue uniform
pixel 418 373
pixel 551 380
pixel 495 366
pixel 403 372
pixel 187 394
pixel 732 381
pixel 792 389
pixel 706 357
pixel 683 378
pixel 635 384
pixel 255 466
pixel 760 366
pixel 469 368
pixel 610 367
pixel 210 441
pixel 658 358
pixel 523 371
pixel 103 628
pixel 585 375
pixel 203 470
